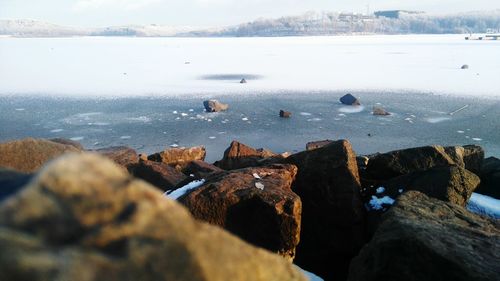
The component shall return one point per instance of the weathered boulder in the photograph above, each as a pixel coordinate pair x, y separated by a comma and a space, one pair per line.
452, 184
379, 111
73, 143
400, 162
285, 114
179, 157
199, 169
28, 155
317, 144
422, 238
11, 181
84, 219
215, 106
332, 212
473, 158
238, 156
490, 178
256, 204
121, 155
158, 174
349, 100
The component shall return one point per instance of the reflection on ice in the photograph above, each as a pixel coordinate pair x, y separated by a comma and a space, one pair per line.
434, 120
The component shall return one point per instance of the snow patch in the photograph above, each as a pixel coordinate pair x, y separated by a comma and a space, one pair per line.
377, 204
352, 109
176, 194
484, 205
434, 120
380, 190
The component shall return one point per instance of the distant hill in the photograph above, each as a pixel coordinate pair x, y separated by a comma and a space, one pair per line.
311, 23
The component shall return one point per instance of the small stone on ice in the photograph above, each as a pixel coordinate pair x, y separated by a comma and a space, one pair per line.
259, 185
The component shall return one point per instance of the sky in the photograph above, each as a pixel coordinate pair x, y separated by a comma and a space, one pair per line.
96, 13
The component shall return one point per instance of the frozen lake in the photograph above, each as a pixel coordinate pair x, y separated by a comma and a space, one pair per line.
147, 93
104, 66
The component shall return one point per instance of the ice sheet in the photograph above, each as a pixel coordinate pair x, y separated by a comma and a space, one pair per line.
106, 66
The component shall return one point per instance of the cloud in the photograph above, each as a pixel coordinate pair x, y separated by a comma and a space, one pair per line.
129, 5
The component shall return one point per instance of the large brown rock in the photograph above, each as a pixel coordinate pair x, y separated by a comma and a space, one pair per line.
332, 212
121, 155
28, 155
198, 169
317, 144
238, 156
256, 204
490, 178
473, 158
179, 157
73, 143
396, 163
158, 174
84, 219
452, 184
422, 239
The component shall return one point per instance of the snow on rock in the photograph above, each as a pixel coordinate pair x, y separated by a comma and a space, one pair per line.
484, 205
183, 190
380, 190
377, 204
259, 185
309, 275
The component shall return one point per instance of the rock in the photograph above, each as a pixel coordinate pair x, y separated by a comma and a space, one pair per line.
362, 161
490, 178
380, 111
179, 157
451, 184
75, 144
158, 174
84, 219
28, 155
215, 106
285, 114
200, 169
243, 81
422, 238
317, 144
143, 157
465, 66
256, 204
396, 163
238, 156
473, 158
349, 100
121, 155
332, 212
11, 182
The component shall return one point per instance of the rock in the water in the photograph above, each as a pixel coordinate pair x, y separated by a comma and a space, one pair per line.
490, 178
422, 239
73, 143
239, 155
84, 219
121, 155
317, 144
11, 182
256, 204
28, 155
215, 106
465, 66
179, 157
243, 81
200, 169
452, 184
396, 163
285, 114
158, 174
349, 100
380, 111
332, 212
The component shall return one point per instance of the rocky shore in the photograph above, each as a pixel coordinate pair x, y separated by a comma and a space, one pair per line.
67, 213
